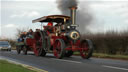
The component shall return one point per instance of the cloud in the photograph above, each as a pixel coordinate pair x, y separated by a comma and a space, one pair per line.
109, 15
21, 14
33, 14
26, 14
0, 30
126, 22
55, 0
28, 0
10, 26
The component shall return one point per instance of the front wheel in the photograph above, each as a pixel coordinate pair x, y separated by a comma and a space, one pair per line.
87, 49
68, 53
9, 49
59, 48
25, 50
18, 48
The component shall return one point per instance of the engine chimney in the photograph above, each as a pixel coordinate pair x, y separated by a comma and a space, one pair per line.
73, 15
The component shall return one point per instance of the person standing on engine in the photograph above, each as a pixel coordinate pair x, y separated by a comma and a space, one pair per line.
30, 33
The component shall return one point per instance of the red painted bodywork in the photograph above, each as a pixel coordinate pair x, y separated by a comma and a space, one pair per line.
29, 41
70, 46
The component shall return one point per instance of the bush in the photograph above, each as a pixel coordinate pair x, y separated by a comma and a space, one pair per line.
109, 43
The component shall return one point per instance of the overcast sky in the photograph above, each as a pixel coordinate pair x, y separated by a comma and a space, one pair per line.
107, 14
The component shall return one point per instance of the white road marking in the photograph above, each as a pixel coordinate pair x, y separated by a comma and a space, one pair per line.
115, 67
67, 60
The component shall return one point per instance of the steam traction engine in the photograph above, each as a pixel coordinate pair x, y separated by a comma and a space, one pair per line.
61, 38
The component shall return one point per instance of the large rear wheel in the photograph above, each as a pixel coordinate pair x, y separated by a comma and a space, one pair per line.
39, 44
87, 49
59, 48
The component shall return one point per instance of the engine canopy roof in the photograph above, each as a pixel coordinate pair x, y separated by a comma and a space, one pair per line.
52, 18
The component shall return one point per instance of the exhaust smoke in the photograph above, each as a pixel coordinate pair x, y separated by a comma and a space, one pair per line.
83, 17
64, 6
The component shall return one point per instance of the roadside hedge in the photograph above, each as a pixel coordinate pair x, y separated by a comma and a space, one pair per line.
110, 43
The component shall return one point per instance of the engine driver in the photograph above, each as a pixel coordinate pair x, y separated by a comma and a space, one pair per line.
50, 24
50, 27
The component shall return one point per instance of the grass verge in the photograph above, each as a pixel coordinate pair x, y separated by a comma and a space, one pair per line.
101, 55
5, 66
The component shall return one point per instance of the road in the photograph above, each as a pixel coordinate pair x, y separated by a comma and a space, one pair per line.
72, 64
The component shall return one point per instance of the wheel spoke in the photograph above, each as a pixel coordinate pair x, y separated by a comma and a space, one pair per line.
58, 48
38, 44
85, 48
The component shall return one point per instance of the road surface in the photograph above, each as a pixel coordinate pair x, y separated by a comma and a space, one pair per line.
72, 64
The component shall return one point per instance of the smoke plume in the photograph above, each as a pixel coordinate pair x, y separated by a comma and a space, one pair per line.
64, 5
83, 17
